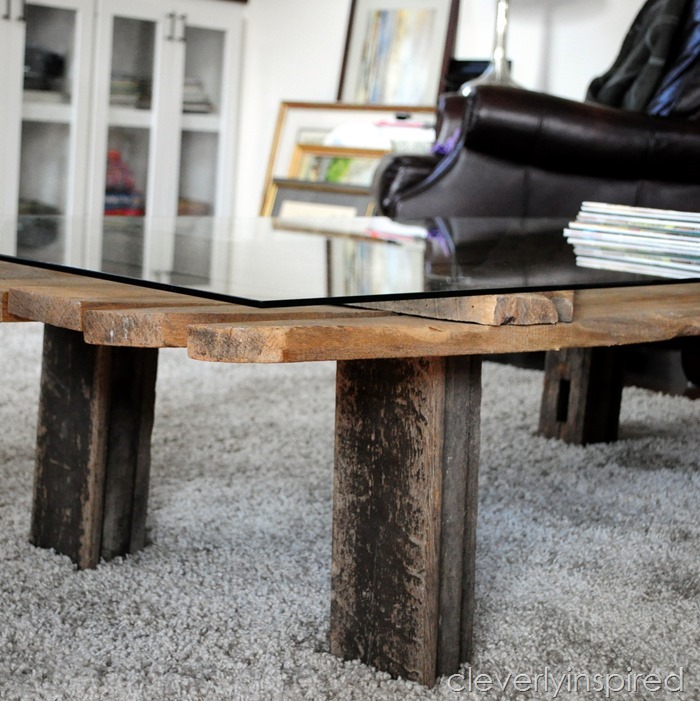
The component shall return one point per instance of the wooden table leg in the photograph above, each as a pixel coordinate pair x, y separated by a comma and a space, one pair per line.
93, 448
582, 395
690, 359
404, 513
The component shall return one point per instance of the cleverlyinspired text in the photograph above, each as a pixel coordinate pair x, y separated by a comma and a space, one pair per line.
552, 683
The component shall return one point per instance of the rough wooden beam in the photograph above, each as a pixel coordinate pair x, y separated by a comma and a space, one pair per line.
16, 275
64, 306
404, 523
93, 448
160, 327
521, 309
582, 394
605, 317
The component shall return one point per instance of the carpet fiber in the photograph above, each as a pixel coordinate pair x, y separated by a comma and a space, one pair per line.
588, 559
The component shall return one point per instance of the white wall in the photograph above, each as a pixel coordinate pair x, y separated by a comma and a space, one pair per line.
294, 51
556, 46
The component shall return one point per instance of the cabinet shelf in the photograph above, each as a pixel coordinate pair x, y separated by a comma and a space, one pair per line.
201, 122
129, 117
59, 113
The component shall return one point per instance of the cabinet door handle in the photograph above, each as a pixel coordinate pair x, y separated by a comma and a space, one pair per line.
172, 26
8, 9
183, 19
23, 11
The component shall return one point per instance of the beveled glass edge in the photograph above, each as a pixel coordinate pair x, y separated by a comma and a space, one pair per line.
342, 299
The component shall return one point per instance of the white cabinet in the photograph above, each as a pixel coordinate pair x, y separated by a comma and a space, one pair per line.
143, 123
42, 131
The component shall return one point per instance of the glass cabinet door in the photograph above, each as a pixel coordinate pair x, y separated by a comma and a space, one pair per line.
11, 59
212, 39
130, 51
166, 147
51, 55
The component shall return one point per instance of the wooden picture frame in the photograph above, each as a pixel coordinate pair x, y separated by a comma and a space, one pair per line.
397, 51
305, 125
298, 199
334, 164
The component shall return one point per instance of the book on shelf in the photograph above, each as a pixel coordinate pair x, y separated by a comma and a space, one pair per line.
642, 240
194, 97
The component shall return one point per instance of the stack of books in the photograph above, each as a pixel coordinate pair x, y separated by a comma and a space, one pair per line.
124, 90
130, 91
658, 242
194, 99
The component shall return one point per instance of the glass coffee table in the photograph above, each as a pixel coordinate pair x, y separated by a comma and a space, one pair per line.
408, 310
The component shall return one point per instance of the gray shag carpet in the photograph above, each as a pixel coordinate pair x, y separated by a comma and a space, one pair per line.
588, 557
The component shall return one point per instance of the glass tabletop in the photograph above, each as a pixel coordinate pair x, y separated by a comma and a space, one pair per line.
274, 261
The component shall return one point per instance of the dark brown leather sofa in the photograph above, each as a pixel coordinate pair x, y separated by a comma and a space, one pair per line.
509, 152
518, 153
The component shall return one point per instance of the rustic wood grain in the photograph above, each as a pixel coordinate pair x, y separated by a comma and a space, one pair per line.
91, 476
520, 309
460, 470
15, 275
404, 513
690, 359
65, 305
71, 447
128, 459
581, 395
161, 327
604, 317
13, 270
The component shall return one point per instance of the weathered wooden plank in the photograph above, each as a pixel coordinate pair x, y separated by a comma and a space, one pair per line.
582, 394
161, 327
10, 270
520, 309
64, 306
71, 447
16, 275
128, 459
460, 476
404, 513
690, 360
95, 420
602, 318
5, 315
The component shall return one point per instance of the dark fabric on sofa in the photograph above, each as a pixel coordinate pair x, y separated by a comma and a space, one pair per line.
678, 94
636, 74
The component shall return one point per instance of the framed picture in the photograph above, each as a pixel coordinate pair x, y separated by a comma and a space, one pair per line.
397, 51
329, 164
301, 126
296, 199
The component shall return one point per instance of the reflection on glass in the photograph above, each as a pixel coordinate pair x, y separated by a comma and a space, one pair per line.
267, 261
122, 246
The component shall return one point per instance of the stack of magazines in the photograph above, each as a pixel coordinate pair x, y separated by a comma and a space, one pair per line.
659, 242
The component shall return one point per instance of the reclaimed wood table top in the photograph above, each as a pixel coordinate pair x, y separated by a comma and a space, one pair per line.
119, 314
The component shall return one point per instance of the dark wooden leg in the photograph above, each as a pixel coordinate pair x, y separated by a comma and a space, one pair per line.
404, 513
690, 359
582, 395
93, 448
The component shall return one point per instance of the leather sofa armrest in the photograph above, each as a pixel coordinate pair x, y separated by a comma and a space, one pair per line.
566, 136
397, 173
